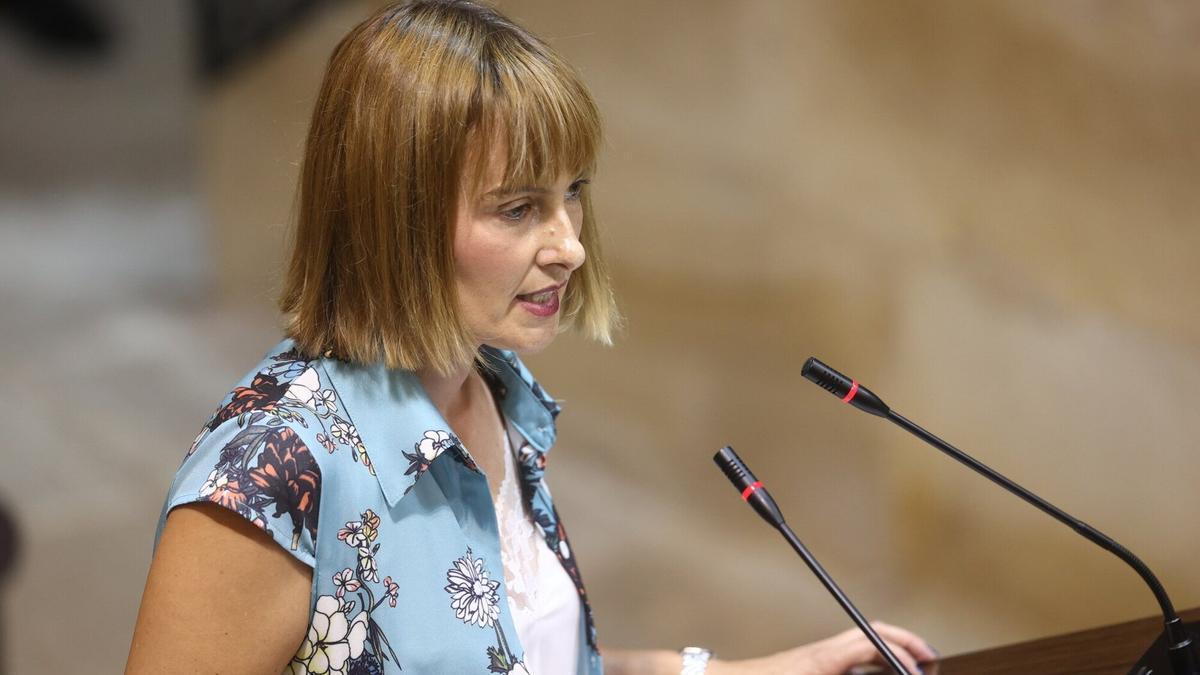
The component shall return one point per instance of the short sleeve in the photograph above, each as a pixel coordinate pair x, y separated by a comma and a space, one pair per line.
257, 466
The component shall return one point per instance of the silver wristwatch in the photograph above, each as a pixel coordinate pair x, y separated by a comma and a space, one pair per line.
694, 660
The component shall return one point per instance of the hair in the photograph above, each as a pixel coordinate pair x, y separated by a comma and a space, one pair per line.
406, 95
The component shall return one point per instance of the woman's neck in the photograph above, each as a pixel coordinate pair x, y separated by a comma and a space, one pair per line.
450, 393
468, 407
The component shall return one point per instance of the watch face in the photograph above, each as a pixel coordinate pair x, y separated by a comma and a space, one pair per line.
695, 660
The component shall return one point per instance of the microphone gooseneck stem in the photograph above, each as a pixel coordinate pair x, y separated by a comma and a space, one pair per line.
757, 496
1085, 530
1181, 650
836, 592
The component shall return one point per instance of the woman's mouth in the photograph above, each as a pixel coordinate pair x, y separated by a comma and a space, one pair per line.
541, 303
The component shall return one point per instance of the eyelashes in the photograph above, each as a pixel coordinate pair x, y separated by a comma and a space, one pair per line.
576, 188
517, 213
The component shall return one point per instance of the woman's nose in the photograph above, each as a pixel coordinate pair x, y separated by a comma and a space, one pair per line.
562, 245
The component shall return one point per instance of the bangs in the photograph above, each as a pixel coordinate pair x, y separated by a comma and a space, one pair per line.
535, 103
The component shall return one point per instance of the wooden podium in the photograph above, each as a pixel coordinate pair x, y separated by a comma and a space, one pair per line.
1110, 650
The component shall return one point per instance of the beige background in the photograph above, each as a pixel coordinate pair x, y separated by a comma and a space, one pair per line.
985, 211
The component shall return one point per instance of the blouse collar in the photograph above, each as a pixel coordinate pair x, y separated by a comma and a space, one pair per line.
393, 414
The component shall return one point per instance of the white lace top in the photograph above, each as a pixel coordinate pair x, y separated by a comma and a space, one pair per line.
544, 603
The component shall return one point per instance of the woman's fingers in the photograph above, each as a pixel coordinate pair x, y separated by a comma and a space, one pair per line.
907, 639
852, 648
837, 655
907, 659
864, 652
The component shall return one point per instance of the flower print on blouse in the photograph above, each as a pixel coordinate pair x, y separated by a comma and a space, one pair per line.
429, 448
351, 469
340, 640
287, 387
474, 599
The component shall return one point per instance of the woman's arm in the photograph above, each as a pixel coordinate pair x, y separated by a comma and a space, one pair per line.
832, 656
221, 596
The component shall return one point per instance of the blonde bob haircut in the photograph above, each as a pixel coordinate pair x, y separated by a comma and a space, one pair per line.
406, 95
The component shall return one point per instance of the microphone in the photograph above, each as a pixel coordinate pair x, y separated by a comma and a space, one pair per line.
1181, 648
754, 494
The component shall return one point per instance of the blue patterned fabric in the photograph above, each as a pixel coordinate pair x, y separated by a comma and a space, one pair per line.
353, 471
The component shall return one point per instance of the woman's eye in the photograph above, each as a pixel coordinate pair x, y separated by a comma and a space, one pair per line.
576, 188
516, 212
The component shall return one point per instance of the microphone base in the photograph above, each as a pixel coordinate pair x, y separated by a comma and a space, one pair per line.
1158, 660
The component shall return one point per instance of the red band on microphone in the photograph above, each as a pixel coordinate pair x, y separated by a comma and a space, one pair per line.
853, 390
751, 490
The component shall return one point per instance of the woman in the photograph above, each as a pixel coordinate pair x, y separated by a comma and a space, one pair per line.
370, 498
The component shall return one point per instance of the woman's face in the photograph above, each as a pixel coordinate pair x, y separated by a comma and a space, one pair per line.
514, 253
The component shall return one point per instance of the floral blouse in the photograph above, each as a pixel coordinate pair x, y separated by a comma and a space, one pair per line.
353, 471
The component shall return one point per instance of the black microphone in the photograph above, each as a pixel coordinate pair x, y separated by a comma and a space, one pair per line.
1180, 646
754, 494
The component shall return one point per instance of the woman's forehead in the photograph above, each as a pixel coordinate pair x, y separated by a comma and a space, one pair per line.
491, 174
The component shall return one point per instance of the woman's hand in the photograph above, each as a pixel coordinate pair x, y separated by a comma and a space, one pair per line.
835, 655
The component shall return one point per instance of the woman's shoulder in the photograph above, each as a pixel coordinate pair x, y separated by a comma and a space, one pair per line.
283, 375
292, 395
268, 452
300, 430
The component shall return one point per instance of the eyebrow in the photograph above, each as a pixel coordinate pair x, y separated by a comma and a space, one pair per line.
503, 191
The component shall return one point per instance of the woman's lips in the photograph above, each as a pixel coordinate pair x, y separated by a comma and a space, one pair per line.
542, 303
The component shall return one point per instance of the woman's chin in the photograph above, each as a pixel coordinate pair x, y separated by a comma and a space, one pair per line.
528, 342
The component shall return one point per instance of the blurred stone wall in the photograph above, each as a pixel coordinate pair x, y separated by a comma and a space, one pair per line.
985, 211
101, 256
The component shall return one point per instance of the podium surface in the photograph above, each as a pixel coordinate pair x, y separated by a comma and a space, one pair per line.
1108, 650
